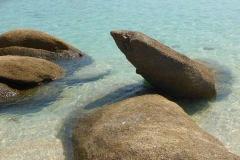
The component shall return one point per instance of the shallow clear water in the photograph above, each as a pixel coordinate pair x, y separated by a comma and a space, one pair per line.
38, 126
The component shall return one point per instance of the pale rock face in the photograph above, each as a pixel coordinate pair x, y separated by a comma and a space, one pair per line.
165, 68
144, 127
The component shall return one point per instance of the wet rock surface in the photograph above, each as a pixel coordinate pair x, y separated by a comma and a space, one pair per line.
6, 91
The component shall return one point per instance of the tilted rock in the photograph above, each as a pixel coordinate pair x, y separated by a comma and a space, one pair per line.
165, 68
35, 43
23, 71
144, 127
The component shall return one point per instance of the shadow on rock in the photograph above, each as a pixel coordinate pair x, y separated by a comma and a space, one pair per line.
120, 94
190, 105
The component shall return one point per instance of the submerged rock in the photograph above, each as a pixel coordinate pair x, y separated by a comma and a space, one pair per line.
38, 53
144, 127
21, 71
6, 91
208, 48
35, 43
165, 68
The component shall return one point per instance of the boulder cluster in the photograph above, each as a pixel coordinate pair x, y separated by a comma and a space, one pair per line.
147, 126
150, 126
24, 59
33, 43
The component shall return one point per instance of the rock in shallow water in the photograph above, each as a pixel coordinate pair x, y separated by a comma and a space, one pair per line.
21, 71
165, 68
144, 127
35, 43
6, 91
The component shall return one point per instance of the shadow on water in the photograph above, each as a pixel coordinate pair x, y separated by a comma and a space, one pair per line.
193, 105
189, 105
33, 100
64, 134
223, 77
223, 83
2, 1
72, 65
45, 94
118, 95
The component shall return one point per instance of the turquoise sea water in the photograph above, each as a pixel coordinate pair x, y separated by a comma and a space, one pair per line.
39, 126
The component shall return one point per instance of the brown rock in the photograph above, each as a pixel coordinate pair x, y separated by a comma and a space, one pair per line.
38, 53
144, 127
165, 68
36, 43
27, 71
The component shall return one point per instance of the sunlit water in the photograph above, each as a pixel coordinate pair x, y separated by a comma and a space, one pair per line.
38, 126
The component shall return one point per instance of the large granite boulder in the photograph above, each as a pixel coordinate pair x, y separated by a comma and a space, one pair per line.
165, 68
35, 43
22, 71
144, 127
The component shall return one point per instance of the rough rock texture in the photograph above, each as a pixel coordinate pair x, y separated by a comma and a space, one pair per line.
34, 43
144, 127
27, 71
6, 91
38, 53
165, 68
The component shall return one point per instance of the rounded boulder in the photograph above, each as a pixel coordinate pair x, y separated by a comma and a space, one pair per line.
23, 71
144, 127
28, 42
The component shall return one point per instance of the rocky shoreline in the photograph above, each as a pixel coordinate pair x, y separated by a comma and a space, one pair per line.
26, 56
147, 126
150, 126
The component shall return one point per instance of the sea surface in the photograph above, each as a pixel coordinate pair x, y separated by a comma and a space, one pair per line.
38, 125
